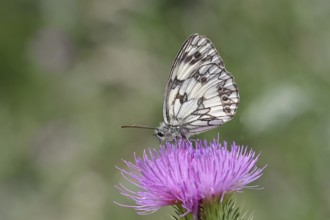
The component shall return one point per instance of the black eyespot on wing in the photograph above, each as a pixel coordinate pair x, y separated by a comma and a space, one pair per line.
224, 98
227, 109
203, 80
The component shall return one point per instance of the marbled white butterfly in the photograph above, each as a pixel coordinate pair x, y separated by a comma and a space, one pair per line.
200, 94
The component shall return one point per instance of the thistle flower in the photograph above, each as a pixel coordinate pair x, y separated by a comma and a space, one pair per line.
185, 175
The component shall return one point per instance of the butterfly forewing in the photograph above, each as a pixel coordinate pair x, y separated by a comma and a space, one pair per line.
200, 94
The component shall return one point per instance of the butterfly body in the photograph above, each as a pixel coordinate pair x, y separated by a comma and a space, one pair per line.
200, 94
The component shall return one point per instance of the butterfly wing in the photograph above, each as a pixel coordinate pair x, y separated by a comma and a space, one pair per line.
200, 94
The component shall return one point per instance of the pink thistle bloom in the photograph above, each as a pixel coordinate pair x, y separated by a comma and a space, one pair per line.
185, 174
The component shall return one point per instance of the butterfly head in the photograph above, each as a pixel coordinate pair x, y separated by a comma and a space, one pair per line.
169, 133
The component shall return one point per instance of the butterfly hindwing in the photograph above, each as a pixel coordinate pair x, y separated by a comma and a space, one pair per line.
217, 102
200, 94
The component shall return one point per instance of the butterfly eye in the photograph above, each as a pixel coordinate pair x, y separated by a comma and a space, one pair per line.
160, 134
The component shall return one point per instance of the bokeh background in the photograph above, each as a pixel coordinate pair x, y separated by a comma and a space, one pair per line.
72, 72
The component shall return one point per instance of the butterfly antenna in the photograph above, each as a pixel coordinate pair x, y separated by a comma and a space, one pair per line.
136, 126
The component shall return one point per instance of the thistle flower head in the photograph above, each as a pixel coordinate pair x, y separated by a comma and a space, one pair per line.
185, 174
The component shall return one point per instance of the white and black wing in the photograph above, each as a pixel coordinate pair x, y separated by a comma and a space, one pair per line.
200, 94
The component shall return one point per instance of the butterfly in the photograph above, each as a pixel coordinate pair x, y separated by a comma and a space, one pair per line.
200, 94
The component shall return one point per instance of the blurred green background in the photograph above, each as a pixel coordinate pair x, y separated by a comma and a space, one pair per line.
72, 72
